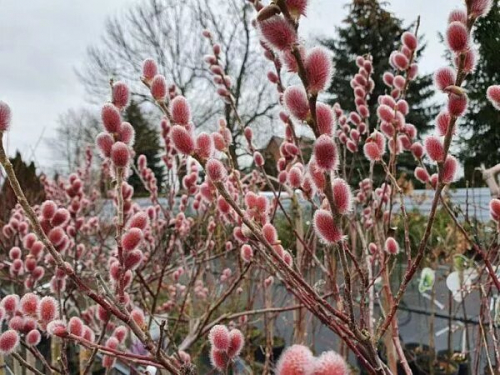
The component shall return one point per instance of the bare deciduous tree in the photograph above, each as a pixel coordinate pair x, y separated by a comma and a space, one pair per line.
76, 130
170, 31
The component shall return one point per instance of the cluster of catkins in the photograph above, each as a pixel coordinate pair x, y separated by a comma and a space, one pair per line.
353, 126
222, 80
298, 360
118, 137
393, 108
319, 175
225, 346
27, 316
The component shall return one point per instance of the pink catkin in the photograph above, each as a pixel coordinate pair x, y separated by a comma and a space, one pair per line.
182, 139
421, 174
391, 246
10, 303
457, 104
372, 151
297, 7
434, 148
104, 142
326, 228
5, 116
480, 8
179, 108
219, 359
121, 94
139, 220
457, 37
495, 209
33, 337
127, 133
120, 155
296, 360
204, 145
236, 343
342, 196
9, 341
149, 69
131, 239
296, 102
493, 95
278, 33
444, 77
29, 304
246, 253
111, 118
219, 337
409, 40
159, 87
319, 69
48, 309
450, 167
325, 153
216, 170
330, 363
75, 326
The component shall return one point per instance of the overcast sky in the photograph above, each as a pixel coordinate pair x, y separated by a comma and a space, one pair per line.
43, 41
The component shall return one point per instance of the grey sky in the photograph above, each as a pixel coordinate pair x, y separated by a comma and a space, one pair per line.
43, 41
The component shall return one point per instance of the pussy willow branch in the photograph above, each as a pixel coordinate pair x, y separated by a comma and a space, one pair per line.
461, 75
86, 290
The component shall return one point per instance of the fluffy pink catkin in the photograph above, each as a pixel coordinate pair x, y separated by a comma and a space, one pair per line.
48, 309
444, 77
495, 209
75, 326
296, 360
5, 116
493, 95
182, 139
457, 37
111, 118
480, 8
409, 40
330, 363
131, 239
29, 304
219, 337
457, 104
278, 33
120, 155
218, 359
450, 168
104, 142
159, 87
236, 343
180, 110
120, 95
296, 102
325, 227
434, 148
33, 337
9, 341
372, 151
342, 196
325, 153
297, 7
318, 65
246, 253
215, 170
391, 246
149, 69
204, 145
